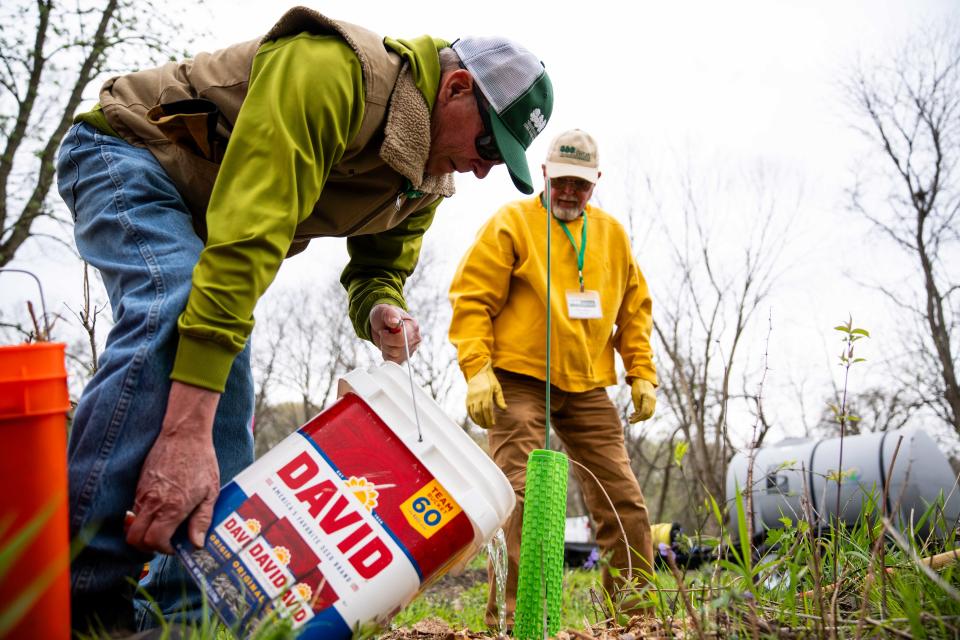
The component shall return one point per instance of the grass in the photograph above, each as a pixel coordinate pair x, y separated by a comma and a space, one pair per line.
881, 586
461, 602
865, 581
784, 589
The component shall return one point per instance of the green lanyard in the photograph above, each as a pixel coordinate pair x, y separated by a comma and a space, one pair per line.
583, 245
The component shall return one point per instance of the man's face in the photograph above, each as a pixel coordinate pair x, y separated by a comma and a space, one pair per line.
455, 126
569, 196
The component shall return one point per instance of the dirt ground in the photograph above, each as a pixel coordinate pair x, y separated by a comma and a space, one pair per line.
433, 629
452, 585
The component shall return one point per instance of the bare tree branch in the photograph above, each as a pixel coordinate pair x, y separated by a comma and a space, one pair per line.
911, 110
49, 55
702, 317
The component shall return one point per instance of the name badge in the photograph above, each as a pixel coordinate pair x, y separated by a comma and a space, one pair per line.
583, 305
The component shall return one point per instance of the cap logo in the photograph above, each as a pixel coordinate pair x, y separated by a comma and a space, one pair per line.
568, 151
535, 123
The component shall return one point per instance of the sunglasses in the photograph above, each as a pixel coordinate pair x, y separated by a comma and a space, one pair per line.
485, 142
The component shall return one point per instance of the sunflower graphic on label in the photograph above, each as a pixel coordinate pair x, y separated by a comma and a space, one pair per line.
252, 525
303, 590
282, 554
364, 491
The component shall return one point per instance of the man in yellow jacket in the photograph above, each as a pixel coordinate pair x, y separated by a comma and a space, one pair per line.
599, 302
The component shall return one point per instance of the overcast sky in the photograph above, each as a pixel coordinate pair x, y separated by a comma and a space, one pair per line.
710, 89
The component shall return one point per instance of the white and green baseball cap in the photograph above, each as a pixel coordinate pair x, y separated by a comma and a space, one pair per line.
517, 86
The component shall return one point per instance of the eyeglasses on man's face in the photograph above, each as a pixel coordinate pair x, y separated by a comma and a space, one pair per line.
570, 183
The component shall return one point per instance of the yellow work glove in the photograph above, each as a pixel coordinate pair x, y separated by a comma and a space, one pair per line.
644, 400
661, 533
482, 391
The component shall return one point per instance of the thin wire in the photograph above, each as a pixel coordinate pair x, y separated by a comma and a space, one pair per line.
413, 393
43, 302
616, 515
549, 305
613, 508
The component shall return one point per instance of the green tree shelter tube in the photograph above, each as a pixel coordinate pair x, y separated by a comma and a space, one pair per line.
540, 579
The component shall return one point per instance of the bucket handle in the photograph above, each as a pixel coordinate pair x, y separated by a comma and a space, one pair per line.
43, 302
402, 327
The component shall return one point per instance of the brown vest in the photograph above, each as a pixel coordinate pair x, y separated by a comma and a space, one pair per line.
184, 113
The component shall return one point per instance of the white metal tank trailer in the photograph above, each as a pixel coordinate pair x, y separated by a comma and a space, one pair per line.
782, 472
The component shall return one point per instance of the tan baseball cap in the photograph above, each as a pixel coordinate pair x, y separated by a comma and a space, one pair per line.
573, 153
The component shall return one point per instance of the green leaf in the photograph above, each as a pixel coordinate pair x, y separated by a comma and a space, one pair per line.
715, 508
745, 542
862, 332
786, 464
680, 451
842, 328
775, 535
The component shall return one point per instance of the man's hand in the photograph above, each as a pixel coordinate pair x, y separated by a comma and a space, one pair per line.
644, 400
385, 331
483, 390
180, 478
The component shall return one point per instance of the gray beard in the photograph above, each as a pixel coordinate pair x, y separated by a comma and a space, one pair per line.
566, 214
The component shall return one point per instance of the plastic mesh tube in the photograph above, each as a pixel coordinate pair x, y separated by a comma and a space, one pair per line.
540, 579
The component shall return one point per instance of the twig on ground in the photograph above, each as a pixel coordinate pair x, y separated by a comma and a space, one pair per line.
678, 576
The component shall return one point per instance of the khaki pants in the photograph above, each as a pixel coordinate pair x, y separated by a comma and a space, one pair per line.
589, 427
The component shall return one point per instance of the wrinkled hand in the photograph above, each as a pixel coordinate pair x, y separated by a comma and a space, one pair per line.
483, 389
644, 400
385, 331
180, 478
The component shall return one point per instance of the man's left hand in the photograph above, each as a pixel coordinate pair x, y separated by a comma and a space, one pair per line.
644, 400
385, 331
180, 478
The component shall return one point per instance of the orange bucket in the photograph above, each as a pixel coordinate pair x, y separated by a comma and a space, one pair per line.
35, 588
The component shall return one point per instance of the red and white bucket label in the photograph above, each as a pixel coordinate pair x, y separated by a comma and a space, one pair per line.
336, 526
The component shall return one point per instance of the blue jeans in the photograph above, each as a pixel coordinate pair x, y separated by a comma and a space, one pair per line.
133, 226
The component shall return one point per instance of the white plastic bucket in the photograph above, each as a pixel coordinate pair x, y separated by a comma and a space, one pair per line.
346, 520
